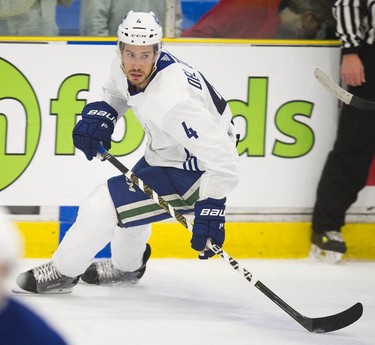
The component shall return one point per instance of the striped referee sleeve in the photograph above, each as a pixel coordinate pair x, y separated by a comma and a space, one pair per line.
355, 22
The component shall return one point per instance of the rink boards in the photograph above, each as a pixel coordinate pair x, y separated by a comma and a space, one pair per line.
243, 239
281, 155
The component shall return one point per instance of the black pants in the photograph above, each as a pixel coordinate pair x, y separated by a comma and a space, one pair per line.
347, 166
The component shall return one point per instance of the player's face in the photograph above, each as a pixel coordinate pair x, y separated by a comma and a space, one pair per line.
138, 62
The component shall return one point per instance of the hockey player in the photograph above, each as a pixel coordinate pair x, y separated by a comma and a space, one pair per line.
190, 160
18, 323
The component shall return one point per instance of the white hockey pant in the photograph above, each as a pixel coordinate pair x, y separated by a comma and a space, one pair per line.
95, 226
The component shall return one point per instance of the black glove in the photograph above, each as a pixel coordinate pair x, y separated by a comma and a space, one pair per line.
208, 224
97, 125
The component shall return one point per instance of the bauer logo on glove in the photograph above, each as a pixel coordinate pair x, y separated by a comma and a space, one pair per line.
103, 113
212, 212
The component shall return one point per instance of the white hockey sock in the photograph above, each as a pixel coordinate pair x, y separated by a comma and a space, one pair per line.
128, 246
90, 233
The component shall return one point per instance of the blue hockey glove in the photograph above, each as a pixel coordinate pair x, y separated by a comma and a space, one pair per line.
208, 224
97, 125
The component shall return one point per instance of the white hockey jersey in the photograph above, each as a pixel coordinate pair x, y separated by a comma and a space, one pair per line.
187, 122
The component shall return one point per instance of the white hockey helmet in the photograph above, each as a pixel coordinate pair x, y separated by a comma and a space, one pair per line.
140, 28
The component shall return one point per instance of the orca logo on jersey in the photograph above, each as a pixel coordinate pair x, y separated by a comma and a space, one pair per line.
104, 114
212, 212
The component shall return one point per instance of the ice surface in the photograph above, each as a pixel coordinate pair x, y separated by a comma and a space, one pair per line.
192, 302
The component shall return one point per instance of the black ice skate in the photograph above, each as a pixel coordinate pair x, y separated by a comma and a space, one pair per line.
328, 246
103, 272
44, 279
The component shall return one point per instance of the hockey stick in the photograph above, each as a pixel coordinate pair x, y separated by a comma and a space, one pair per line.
342, 94
316, 325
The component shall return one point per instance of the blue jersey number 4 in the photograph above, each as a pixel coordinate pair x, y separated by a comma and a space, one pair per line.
190, 132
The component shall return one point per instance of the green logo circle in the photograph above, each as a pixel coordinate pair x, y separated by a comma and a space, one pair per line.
17, 93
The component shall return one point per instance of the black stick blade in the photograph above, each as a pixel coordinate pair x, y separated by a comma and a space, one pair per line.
320, 324
334, 322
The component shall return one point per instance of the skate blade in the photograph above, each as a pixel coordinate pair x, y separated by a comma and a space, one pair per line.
326, 256
17, 290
